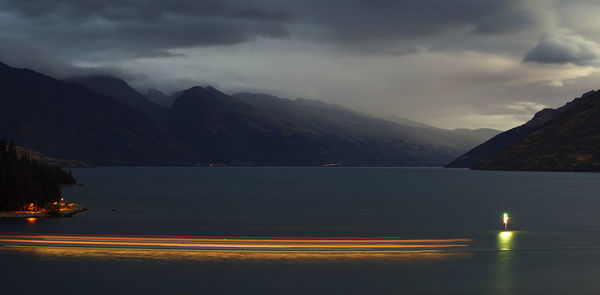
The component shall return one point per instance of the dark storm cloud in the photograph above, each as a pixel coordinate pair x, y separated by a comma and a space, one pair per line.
129, 29
150, 27
357, 21
148, 10
561, 49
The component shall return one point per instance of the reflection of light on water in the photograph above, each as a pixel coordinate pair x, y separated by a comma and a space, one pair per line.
199, 255
238, 243
503, 267
301, 249
505, 240
31, 220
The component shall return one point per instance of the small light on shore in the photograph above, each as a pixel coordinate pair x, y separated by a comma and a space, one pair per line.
505, 220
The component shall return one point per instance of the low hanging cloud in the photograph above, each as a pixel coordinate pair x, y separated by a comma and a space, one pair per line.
564, 49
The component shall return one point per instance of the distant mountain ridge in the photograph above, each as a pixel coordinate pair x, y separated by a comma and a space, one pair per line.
368, 139
335, 120
158, 97
107, 122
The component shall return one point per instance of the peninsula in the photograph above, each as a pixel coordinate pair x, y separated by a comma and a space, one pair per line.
30, 188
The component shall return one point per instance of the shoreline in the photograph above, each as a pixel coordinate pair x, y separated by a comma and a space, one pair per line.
68, 210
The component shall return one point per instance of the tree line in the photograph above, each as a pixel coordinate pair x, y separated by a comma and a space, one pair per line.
25, 181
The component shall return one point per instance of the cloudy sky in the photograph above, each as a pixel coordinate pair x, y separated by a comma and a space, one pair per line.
460, 63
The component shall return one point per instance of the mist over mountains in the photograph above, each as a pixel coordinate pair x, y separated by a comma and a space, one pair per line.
330, 119
103, 121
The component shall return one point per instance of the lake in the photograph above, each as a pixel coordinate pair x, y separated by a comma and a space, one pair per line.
554, 247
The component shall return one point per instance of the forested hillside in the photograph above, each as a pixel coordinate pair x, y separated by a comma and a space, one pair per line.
25, 181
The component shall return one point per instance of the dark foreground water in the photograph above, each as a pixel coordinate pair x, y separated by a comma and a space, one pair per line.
554, 247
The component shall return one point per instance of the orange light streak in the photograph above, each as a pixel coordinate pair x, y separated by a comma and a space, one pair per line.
225, 239
203, 243
309, 244
391, 246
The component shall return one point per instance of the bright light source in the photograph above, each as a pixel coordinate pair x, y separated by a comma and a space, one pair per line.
505, 220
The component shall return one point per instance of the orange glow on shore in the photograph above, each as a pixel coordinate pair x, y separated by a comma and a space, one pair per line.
28, 212
212, 243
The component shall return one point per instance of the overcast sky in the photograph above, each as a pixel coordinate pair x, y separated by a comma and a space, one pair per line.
460, 63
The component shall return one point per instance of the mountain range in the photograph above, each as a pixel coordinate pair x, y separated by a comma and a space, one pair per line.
102, 120
342, 124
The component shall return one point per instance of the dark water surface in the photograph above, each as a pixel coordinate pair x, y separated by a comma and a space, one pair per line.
554, 247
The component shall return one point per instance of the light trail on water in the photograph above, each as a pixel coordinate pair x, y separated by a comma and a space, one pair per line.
308, 244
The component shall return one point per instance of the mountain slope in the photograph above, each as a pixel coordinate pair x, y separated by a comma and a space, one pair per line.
42, 158
422, 145
112, 124
569, 142
166, 122
158, 97
122, 92
66, 120
505, 139
234, 132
